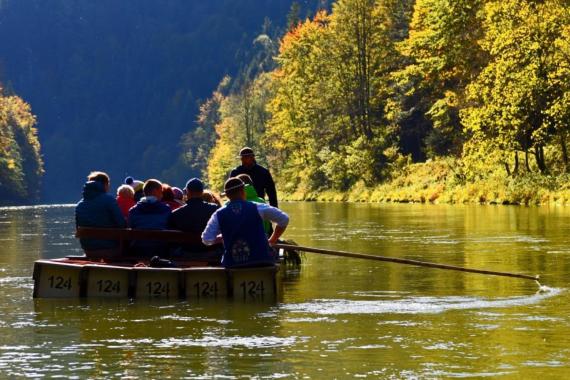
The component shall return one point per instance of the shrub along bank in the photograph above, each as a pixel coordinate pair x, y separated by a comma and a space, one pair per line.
442, 181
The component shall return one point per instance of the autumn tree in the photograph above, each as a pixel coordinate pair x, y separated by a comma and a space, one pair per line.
520, 100
443, 57
242, 121
331, 87
21, 165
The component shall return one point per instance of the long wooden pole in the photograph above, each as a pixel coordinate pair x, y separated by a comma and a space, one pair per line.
403, 261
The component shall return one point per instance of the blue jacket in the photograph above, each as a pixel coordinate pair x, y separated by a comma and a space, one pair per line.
149, 214
98, 209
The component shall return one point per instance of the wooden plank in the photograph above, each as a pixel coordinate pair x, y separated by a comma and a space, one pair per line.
254, 283
57, 280
157, 282
107, 281
206, 282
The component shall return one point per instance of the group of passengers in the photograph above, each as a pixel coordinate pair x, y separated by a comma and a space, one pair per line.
244, 224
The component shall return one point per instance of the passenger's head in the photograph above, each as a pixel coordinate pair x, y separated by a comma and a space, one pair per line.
234, 189
167, 193
178, 194
137, 186
247, 157
194, 188
125, 191
245, 179
100, 177
211, 197
153, 188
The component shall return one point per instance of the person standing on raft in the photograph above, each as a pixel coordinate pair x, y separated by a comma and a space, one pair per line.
261, 177
239, 226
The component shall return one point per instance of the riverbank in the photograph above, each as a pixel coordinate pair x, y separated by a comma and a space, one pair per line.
440, 182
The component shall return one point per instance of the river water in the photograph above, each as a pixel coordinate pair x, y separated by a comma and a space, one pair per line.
336, 317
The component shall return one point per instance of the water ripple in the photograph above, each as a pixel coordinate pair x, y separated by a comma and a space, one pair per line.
415, 305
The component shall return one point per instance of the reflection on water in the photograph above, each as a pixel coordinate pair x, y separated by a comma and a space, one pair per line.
337, 318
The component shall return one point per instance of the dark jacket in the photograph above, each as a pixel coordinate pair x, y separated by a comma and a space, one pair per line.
262, 181
98, 209
192, 218
149, 214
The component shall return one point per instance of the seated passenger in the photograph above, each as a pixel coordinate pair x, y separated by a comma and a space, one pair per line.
239, 225
138, 188
125, 199
168, 197
211, 197
149, 214
178, 196
98, 209
192, 217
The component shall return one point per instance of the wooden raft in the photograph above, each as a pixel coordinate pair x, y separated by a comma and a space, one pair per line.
75, 277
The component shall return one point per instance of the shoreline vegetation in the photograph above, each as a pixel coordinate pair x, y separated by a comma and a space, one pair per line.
436, 183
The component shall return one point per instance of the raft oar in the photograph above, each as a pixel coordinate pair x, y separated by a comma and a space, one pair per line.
404, 261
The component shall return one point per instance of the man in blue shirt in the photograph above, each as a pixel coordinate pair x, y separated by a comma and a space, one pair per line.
98, 209
150, 214
239, 225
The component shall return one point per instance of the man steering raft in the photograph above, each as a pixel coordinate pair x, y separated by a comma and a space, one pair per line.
262, 180
239, 225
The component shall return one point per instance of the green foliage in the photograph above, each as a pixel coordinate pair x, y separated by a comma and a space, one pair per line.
442, 58
331, 89
198, 143
474, 88
521, 97
242, 118
21, 165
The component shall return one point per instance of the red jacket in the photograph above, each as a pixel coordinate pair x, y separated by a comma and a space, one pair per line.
173, 204
125, 205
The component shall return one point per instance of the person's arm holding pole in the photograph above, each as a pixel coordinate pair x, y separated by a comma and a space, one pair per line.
276, 216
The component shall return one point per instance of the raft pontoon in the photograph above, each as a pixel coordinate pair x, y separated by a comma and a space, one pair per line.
120, 277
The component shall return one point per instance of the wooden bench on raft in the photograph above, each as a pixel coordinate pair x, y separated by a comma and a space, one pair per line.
119, 277
125, 235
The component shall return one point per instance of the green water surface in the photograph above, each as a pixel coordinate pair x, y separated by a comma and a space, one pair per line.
336, 317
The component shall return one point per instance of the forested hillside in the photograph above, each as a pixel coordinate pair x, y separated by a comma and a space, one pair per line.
114, 84
439, 100
21, 165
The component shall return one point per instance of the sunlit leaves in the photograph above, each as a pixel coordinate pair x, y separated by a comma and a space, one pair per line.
520, 98
21, 165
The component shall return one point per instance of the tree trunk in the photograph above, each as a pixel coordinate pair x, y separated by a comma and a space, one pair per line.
507, 169
539, 154
564, 151
526, 163
516, 169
